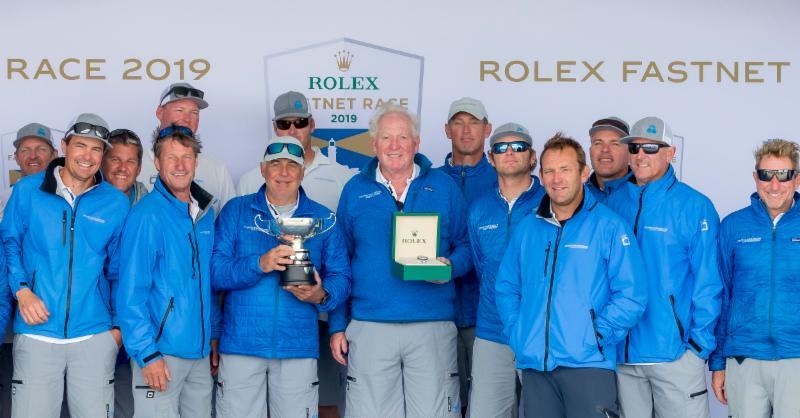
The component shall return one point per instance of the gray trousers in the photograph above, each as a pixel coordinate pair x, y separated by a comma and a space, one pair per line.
400, 370
39, 368
666, 390
571, 393
245, 381
466, 338
494, 381
188, 394
762, 389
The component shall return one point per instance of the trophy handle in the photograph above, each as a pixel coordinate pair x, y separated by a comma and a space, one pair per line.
268, 230
320, 222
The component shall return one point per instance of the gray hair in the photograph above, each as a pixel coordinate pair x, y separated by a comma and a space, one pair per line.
392, 108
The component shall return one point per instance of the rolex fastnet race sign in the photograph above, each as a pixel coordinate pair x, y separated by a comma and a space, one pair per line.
344, 81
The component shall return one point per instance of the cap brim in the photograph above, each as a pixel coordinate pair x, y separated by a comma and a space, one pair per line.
201, 104
18, 140
292, 115
105, 141
629, 139
607, 128
481, 117
521, 135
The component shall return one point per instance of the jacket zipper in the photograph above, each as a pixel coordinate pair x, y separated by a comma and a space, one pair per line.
33, 282
64, 228
463, 178
546, 257
636, 234
550, 299
196, 251
170, 308
675, 314
772, 290
597, 335
71, 251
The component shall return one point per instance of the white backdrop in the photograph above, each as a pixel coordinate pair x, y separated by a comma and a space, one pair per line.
722, 122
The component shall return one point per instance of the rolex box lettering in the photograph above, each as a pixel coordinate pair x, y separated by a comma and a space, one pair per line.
415, 244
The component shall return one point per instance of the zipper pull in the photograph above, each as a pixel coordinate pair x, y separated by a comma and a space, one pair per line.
64, 229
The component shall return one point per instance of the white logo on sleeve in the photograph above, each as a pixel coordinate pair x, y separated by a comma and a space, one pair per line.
704, 225
625, 240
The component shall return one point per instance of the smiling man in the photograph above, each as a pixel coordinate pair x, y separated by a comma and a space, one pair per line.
123, 162
61, 234
33, 151
757, 361
609, 157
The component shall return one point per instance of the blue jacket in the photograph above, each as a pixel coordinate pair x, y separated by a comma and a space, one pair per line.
64, 255
5, 292
365, 213
164, 298
676, 228
261, 319
490, 226
568, 292
474, 182
609, 186
761, 273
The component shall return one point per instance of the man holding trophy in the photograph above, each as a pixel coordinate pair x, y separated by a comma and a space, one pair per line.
404, 225
281, 260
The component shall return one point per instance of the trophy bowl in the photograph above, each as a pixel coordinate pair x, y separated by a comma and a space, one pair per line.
295, 231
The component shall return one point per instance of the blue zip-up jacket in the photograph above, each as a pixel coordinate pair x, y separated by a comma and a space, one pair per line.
761, 271
165, 301
490, 226
568, 292
64, 255
474, 182
5, 292
365, 214
676, 228
261, 319
608, 187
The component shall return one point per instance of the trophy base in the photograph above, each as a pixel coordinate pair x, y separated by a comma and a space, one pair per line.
298, 274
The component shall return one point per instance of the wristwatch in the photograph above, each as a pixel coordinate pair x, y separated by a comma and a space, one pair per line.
324, 298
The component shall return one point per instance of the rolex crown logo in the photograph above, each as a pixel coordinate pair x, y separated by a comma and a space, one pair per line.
343, 60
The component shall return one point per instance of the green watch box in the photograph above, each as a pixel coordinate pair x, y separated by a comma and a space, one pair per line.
415, 244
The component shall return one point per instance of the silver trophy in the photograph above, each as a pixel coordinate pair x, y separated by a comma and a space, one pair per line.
293, 232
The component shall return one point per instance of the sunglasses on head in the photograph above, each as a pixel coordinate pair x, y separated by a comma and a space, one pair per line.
183, 92
516, 146
278, 147
782, 175
284, 124
649, 148
171, 130
123, 132
83, 128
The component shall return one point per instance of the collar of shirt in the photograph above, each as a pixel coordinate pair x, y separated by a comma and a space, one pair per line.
382, 180
511, 202
319, 159
780, 215
64, 191
282, 213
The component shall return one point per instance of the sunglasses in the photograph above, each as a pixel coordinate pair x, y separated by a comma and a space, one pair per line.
650, 148
171, 130
298, 123
83, 128
179, 92
516, 146
278, 147
123, 132
782, 175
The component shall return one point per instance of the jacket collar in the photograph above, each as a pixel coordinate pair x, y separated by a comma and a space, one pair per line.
258, 202
612, 184
49, 184
419, 159
587, 204
760, 208
199, 194
469, 170
524, 196
657, 188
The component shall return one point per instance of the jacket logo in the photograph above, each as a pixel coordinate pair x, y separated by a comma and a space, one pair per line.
94, 219
796, 239
370, 195
428, 188
206, 232
704, 225
656, 228
625, 240
488, 227
751, 239
577, 246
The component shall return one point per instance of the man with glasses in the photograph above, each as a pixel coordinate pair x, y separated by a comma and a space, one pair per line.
166, 308
467, 128
663, 358
269, 343
756, 366
492, 219
61, 234
323, 180
609, 157
401, 341
33, 151
180, 104
569, 287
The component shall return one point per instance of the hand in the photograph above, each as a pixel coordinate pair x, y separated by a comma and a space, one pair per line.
443, 260
276, 259
718, 384
156, 375
214, 357
311, 294
117, 336
339, 347
31, 307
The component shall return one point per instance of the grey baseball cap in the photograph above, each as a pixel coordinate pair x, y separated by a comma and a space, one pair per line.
650, 128
98, 130
34, 130
468, 105
511, 129
291, 104
611, 123
287, 149
181, 91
